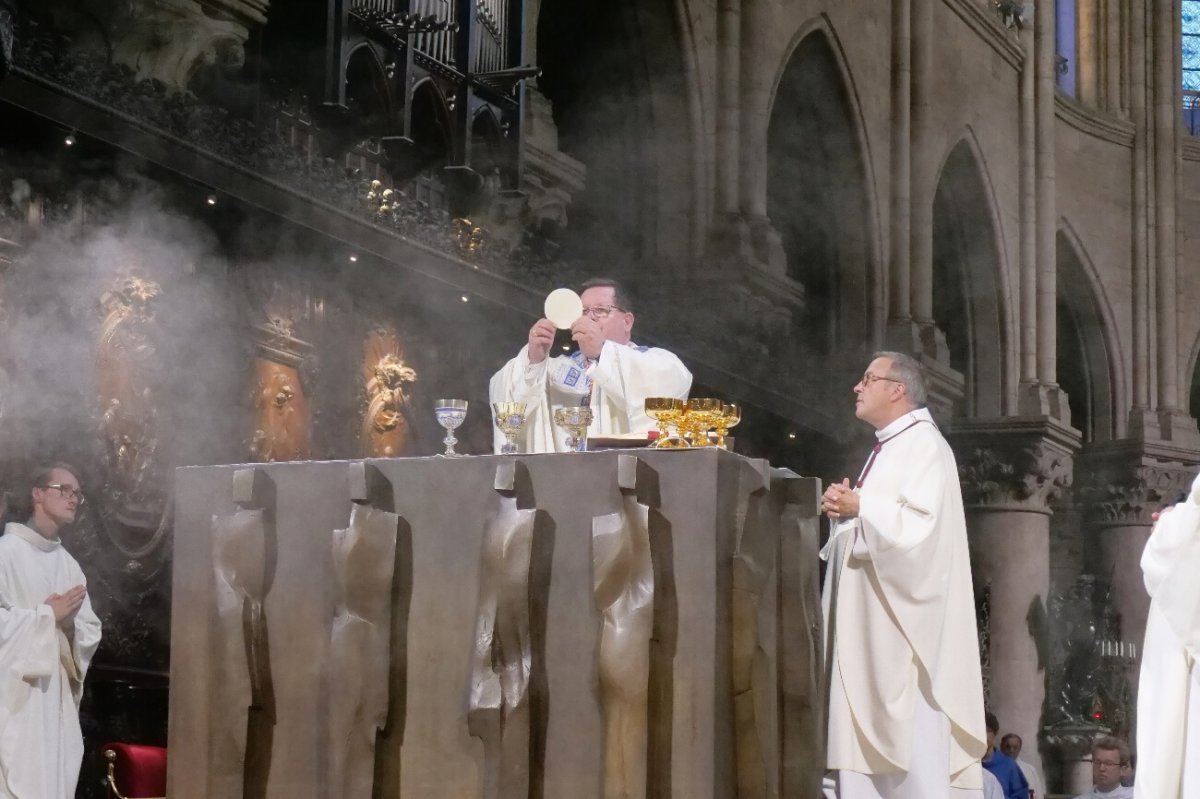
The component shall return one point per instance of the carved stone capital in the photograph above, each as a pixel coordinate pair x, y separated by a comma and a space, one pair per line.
1014, 463
1124, 482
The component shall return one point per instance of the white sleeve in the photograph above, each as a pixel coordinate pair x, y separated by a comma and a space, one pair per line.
628, 375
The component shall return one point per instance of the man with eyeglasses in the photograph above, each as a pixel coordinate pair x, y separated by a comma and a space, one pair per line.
48, 634
906, 715
1168, 702
1110, 763
608, 372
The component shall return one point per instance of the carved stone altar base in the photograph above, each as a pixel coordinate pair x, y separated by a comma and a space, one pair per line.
577, 625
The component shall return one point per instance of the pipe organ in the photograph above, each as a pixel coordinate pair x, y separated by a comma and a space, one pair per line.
443, 82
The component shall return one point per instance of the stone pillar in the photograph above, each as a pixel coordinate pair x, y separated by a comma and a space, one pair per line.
1012, 469
1120, 484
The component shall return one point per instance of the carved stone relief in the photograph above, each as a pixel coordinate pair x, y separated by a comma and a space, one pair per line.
168, 40
500, 694
244, 552
1018, 468
753, 689
385, 428
1126, 486
364, 556
623, 587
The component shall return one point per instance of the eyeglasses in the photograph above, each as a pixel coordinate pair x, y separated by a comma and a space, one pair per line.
601, 311
1106, 764
67, 492
868, 379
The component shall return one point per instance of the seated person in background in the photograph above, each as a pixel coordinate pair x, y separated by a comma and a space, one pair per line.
609, 373
1003, 768
1011, 745
1110, 764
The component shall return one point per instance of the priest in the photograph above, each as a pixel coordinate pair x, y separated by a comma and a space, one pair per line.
48, 634
1168, 703
608, 372
906, 715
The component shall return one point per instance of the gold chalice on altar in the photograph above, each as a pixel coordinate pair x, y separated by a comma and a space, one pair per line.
700, 418
666, 412
576, 420
509, 418
729, 417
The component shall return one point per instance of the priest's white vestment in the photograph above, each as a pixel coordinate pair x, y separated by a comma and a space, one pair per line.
619, 383
1168, 720
906, 714
42, 668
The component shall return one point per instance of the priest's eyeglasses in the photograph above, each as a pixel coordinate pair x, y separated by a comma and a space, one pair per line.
68, 492
868, 379
1106, 764
601, 311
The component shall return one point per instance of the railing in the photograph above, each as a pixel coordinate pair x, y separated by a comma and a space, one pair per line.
489, 50
1191, 111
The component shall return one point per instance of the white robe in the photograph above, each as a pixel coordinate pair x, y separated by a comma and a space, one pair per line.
1168, 720
1034, 777
905, 686
620, 381
41, 668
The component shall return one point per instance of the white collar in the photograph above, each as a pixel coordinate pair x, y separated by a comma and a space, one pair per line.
31, 536
904, 422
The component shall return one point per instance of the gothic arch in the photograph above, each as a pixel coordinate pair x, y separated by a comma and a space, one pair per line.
368, 89
620, 78
819, 197
970, 298
1088, 349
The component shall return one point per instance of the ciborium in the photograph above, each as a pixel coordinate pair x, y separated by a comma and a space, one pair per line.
450, 414
729, 417
510, 418
700, 418
666, 412
576, 420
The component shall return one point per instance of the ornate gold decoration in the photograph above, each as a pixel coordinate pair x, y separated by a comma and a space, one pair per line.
128, 375
384, 431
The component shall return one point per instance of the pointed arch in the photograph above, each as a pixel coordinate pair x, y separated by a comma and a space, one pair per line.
820, 194
971, 304
1090, 361
620, 78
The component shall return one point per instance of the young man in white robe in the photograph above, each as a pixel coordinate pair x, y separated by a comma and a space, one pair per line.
609, 372
1168, 704
906, 715
48, 634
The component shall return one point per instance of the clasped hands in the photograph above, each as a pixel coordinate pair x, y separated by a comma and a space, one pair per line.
67, 604
585, 332
839, 501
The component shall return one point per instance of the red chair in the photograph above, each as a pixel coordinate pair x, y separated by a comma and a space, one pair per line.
136, 771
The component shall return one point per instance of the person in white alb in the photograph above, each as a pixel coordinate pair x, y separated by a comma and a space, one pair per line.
48, 634
1168, 703
1011, 745
906, 714
609, 373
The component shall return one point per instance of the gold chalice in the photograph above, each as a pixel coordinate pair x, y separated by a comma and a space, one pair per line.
666, 411
730, 415
702, 415
510, 418
576, 420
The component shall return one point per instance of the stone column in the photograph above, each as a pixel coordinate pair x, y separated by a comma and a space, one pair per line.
1120, 484
1012, 469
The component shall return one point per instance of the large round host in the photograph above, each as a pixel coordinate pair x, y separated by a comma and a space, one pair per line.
563, 307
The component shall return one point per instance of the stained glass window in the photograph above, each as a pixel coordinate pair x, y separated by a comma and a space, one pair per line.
1191, 45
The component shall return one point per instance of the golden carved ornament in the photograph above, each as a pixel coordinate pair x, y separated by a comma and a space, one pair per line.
384, 431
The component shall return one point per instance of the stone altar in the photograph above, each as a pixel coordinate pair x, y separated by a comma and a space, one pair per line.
602, 624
